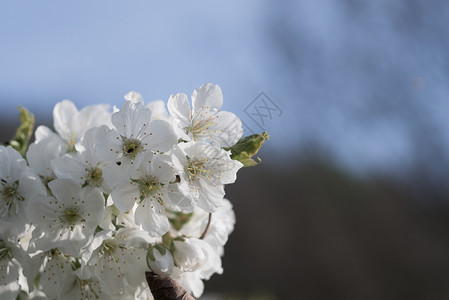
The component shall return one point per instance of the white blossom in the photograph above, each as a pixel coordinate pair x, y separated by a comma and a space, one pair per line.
84, 167
159, 111
68, 219
11, 256
54, 270
40, 154
116, 264
190, 281
191, 254
71, 124
134, 134
152, 186
160, 260
108, 197
206, 169
18, 185
220, 227
205, 121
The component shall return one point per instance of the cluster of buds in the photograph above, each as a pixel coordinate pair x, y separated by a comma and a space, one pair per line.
86, 211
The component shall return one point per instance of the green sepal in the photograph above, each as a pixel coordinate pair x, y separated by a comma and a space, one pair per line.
76, 264
162, 250
150, 253
37, 280
22, 296
115, 211
117, 227
23, 135
179, 219
167, 242
247, 147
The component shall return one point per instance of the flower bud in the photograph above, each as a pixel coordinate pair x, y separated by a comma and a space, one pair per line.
160, 260
190, 254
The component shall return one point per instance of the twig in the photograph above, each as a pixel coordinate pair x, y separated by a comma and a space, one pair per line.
165, 288
207, 227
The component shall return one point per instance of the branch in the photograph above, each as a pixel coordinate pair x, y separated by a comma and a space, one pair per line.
207, 227
165, 288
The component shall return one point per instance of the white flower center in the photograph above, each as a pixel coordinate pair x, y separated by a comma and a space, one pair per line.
196, 168
70, 217
94, 177
200, 123
108, 250
131, 147
149, 186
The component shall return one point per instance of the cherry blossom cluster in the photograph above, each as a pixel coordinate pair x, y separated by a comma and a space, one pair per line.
110, 195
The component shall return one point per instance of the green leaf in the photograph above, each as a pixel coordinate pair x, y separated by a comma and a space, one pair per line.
23, 135
247, 147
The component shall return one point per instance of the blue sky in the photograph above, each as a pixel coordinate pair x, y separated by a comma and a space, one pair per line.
336, 58
95, 51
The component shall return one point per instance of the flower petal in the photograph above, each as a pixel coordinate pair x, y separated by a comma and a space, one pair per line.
226, 130
125, 195
64, 114
131, 119
108, 145
159, 136
177, 199
65, 190
133, 97
158, 110
179, 108
69, 166
211, 196
11, 164
150, 214
208, 95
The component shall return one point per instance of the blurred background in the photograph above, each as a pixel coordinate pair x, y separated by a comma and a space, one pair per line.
352, 198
